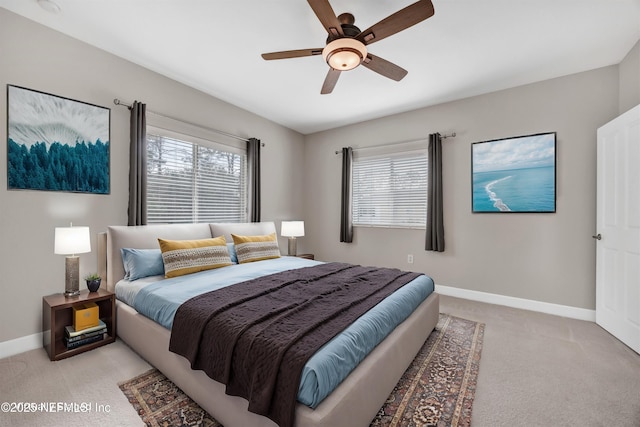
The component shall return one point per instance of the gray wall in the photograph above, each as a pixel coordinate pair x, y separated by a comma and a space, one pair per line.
542, 257
630, 79
36, 57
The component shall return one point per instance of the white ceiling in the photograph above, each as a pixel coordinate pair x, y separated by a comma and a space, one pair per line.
467, 48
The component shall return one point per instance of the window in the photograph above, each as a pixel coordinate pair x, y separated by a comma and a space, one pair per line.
390, 189
190, 179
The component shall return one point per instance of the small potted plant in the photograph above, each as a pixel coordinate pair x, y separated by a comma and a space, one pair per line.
93, 282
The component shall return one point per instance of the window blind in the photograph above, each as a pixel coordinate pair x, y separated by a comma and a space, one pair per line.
194, 182
390, 190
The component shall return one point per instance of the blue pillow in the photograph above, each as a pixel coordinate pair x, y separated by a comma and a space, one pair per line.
139, 263
232, 253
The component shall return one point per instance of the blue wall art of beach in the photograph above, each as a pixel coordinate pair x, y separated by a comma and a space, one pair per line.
514, 174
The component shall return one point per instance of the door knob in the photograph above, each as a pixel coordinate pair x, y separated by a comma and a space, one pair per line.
597, 236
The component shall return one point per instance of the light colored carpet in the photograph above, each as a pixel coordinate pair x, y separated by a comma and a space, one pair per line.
543, 370
87, 379
535, 370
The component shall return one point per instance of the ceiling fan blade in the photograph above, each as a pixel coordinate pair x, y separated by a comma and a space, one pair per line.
327, 17
397, 22
384, 67
330, 81
291, 54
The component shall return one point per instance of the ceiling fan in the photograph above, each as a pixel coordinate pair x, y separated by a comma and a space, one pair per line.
347, 46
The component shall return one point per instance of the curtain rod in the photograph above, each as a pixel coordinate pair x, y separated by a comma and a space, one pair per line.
451, 135
116, 101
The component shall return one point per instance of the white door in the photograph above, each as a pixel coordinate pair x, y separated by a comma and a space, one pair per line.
618, 223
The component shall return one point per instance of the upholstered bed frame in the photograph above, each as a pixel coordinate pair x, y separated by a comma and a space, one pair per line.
354, 403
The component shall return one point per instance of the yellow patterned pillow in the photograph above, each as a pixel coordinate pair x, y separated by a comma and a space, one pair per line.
256, 248
182, 257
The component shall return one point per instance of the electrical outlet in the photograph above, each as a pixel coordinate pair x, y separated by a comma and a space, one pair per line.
410, 259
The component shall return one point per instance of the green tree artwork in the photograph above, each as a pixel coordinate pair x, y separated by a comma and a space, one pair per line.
56, 144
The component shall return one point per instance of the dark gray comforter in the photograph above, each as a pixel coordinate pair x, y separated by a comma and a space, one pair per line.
256, 336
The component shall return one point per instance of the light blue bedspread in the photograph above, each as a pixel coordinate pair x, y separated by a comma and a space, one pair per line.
159, 300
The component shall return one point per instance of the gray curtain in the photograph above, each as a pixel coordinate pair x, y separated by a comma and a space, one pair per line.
138, 165
346, 213
435, 218
253, 168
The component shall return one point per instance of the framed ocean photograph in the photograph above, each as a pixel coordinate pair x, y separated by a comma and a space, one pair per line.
515, 174
56, 144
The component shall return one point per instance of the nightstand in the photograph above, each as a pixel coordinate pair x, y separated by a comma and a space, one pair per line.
307, 256
57, 312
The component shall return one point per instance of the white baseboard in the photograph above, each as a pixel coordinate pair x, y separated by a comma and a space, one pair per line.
525, 304
20, 345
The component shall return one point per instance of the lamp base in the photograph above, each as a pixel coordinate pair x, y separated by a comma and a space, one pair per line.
292, 246
72, 271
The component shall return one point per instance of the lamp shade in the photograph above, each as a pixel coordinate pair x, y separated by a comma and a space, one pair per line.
72, 240
292, 228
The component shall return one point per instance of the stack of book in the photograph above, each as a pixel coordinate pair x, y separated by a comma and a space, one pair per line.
74, 339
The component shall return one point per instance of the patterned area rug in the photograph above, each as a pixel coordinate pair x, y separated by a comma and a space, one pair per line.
159, 402
439, 386
436, 390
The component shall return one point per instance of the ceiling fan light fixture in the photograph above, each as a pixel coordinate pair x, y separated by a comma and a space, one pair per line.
344, 54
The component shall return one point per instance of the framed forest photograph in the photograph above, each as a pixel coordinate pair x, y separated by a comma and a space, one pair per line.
516, 174
56, 144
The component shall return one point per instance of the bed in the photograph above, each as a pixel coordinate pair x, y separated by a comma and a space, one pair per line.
354, 402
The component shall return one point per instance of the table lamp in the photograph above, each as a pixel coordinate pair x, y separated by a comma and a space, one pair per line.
292, 229
71, 241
